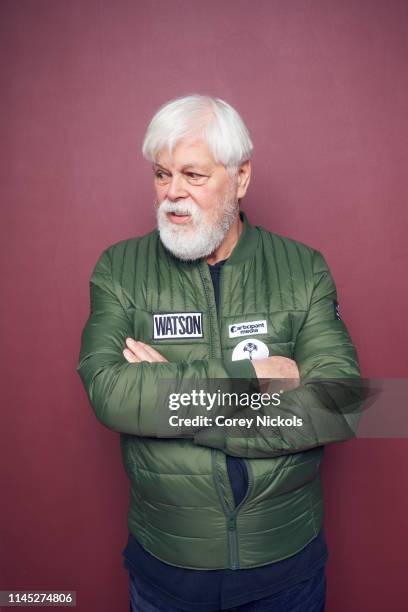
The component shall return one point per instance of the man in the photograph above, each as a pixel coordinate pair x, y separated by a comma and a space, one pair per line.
217, 520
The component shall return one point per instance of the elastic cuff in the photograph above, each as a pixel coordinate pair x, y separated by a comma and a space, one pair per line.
243, 369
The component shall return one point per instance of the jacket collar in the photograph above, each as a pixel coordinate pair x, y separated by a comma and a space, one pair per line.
246, 245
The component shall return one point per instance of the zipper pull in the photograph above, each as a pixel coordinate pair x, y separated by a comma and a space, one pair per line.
231, 523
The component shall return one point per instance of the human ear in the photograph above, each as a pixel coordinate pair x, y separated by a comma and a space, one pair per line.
244, 176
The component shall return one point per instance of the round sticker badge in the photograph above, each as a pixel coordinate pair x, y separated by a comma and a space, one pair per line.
250, 348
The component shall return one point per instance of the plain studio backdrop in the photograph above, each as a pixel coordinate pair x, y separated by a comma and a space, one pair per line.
322, 86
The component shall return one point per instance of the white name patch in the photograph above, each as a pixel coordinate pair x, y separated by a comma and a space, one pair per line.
178, 325
247, 329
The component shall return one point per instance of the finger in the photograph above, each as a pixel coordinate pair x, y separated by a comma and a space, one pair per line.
138, 350
156, 356
129, 356
143, 351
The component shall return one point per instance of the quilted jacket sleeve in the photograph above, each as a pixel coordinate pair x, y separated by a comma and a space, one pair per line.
329, 398
128, 397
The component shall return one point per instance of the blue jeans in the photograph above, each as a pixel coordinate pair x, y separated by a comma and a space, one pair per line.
306, 596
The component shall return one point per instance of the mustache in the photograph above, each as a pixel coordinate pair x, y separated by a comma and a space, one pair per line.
184, 208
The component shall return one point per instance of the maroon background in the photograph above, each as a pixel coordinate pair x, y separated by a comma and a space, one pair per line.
323, 88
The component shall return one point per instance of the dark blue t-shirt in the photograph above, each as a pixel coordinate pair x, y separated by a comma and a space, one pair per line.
210, 590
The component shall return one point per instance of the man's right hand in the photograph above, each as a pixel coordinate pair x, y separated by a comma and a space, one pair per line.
278, 367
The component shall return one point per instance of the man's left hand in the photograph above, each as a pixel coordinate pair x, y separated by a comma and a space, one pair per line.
137, 351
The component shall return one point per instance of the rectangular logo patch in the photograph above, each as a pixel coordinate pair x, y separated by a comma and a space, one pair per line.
177, 325
249, 328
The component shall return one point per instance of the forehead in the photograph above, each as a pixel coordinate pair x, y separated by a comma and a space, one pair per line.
192, 151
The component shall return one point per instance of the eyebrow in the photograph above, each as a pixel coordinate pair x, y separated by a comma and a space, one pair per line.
185, 167
194, 165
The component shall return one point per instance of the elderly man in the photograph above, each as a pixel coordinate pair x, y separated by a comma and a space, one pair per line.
216, 520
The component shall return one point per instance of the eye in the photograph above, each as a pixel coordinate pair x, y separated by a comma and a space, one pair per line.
195, 178
160, 175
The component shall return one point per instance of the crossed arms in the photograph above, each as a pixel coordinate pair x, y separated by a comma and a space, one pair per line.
122, 376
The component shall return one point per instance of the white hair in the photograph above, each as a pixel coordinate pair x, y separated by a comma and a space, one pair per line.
220, 125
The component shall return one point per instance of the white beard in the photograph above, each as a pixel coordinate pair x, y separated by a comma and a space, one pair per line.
201, 236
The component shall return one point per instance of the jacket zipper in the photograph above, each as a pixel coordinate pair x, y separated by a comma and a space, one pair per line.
231, 515
210, 313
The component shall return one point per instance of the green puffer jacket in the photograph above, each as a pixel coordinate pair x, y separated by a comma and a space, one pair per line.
181, 503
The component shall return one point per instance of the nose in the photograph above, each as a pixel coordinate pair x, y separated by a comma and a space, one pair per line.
176, 188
